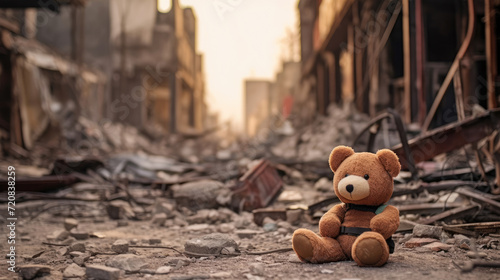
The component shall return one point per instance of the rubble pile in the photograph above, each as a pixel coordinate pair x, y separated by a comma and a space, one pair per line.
314, 141
198, 214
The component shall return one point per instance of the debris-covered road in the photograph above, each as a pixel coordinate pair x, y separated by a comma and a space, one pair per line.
208, 211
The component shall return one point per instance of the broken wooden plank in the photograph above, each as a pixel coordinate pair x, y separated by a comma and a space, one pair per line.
486, 227
449, 137
493, 205
426, 208
450, 214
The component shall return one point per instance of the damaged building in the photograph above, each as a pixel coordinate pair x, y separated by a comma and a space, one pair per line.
101, 61
430, 60
39, 86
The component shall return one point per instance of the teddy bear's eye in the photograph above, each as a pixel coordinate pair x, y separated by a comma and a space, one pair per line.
346, 175
367, 177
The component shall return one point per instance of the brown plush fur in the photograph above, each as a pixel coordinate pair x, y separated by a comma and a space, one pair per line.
368, 181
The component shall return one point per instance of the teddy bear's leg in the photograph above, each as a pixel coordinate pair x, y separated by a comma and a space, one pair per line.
370, 249
313, 248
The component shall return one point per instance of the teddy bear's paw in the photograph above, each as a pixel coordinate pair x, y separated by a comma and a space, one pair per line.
370, 249
303, 247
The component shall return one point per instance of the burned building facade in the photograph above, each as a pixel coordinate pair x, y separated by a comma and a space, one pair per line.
430, 60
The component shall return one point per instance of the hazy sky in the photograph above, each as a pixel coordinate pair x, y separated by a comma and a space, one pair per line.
239, 39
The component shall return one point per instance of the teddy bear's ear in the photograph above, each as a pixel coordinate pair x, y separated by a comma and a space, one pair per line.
390, 161
338, 155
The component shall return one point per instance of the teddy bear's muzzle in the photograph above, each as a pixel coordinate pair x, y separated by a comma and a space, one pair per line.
354, 187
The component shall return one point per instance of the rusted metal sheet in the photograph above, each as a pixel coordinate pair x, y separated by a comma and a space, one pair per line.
448, 138
257, 188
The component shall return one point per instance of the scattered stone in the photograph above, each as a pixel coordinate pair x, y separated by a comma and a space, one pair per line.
204, 216
294, 216
31, 271
289, 196
159, 219
100, 272
179, 262
427, 231
326, 271
79, 234
476, 255
70, 223
73, 271
153, 241
122, 223
127, 262
68, 241
164, 207
210, 244
228, 251
58, 235
438, 246
115, 210
197, 195
243, 221
418, 242
323, 185
247, 233
77, 246
462, 241
198, 227
120, 246
221, 275
63, 251
270, 227
81, 259
257, 269
163, 270
226, 228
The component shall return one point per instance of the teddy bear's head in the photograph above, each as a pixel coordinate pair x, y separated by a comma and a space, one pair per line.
363, 178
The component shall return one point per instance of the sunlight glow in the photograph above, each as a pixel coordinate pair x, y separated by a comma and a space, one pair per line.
164, 6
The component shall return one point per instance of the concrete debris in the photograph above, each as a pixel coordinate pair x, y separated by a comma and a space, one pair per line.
419, 242
159, 219
247, 233
120, 246
69, 224
323, 185
73, 271
58, 235
79, 234
100, 272
77, 246
211, 244
127, 262
438, 246
197, 195
427, 231
81, 258
462, 241
163, 270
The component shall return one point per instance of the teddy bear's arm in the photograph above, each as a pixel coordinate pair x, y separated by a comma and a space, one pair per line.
387, 222
329, 225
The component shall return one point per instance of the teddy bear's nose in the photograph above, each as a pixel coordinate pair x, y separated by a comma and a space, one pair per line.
349, 188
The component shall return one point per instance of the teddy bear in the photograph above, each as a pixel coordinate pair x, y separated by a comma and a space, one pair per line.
360, 228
